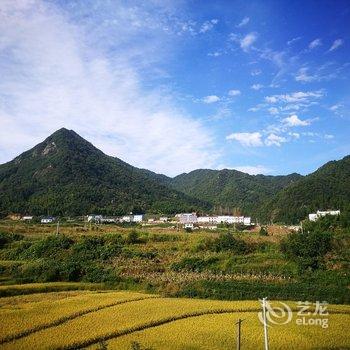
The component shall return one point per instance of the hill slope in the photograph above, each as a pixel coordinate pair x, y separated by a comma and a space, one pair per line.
231, 188
66, 174
326, 188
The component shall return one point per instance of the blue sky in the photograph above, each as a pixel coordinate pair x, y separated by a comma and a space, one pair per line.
258, 86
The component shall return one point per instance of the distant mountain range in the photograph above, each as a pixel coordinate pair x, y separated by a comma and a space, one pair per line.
67, 175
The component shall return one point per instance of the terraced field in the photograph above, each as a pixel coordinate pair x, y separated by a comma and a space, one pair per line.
96, 319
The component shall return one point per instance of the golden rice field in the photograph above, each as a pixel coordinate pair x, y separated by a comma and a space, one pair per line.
93, 319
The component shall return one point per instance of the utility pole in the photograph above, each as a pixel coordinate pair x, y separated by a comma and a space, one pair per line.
238, 323
266, 335
58, 227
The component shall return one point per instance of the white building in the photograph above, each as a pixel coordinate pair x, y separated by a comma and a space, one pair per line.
207, 219
126, 218
322, 213
189, 225
27, 218
137, 218
186, 218
47, 220
94, 218
107, 220
163, 219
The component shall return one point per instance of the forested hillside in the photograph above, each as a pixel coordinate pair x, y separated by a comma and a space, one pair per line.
326, 188
67, 175
229, 189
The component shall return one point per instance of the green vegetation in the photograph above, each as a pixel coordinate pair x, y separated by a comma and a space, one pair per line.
65, 175
311, 264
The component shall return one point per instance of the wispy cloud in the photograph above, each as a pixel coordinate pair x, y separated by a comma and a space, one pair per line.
211, 99
257, 86
246, 41
208, 25
244, 22
294, 40
294, 120
336, 44
253, 139
315, 43
298, 96
53, 75
274, 140
234, 92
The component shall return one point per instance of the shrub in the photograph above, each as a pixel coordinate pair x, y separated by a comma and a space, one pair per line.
133, 237
194, 264
263, 231
226, 242
307, 249
6, 238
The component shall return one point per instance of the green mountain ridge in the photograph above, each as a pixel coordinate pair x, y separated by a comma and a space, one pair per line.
67, 175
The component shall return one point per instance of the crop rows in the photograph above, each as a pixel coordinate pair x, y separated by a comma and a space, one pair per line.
67, 318
166, 320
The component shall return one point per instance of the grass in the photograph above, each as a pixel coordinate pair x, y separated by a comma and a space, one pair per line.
79, 319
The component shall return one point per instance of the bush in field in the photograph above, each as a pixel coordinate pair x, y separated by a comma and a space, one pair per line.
226, 242
307, 249
133, 237
263, 232
6, 238
48, 247
194, 264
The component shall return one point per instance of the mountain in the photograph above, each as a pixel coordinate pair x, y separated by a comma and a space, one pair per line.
326, 188
67, 175
229, 189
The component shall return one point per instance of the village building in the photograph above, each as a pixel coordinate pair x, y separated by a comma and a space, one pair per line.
94, 218
47, 220
137, 218
322, 213
187, 218
27, 218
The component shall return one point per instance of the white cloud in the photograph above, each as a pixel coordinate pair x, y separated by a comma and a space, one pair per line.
295, 135
249, 169
244, 22
273, 110
248, 139
234, 93
257, 86
274, 140
244, 42
315, 43
335, 107
292, 41
208, 25
294, 120
214, 54
255, 72
211, 99
54, 75
248, 41
295, 97
337, 43
328, 136
303, 76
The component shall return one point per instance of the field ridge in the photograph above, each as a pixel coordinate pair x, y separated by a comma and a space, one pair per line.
64, 319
